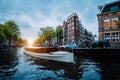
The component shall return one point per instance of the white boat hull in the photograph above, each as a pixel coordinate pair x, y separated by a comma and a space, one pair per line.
56, 56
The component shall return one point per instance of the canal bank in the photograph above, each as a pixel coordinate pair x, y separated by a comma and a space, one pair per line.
97, 51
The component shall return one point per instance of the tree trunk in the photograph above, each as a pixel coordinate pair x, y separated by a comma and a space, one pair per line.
10, 41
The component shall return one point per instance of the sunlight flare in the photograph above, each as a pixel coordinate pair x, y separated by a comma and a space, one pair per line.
30, 42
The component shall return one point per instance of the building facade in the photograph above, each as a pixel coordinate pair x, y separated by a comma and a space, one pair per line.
108, 19
73, 31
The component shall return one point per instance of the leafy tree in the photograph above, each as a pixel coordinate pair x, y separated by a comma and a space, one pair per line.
11, 30
7, 31
46, 34
59, 35
25, 41
37, 42
90, 33
2, 35
86, 32
20, 40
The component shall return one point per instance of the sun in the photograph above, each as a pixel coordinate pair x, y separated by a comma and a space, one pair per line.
30, 42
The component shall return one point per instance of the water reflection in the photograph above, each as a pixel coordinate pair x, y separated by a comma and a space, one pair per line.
87, 69
8, 62
15, 65
110, 67
60, 70
98, 67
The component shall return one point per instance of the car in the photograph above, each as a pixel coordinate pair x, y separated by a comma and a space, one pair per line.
69, 46
101, 44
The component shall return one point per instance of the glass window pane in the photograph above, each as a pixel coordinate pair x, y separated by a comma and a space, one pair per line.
107, 23
114, 22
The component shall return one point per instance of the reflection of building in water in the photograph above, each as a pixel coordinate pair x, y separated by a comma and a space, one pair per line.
108, 19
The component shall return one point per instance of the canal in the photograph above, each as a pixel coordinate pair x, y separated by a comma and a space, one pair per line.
15, 65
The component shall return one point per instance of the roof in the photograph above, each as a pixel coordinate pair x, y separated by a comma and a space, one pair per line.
110, 7
73, 14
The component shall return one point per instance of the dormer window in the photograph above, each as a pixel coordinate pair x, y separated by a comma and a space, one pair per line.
113, 8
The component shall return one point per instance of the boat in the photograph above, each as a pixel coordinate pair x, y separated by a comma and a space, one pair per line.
61, 56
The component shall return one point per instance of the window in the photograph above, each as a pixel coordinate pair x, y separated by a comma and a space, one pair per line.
72, 18
114, 8
106, 23
68, 25
107, 35
114, 22
72, 27
115, 37
114, 34
72, 37
72, 23
115, 40
68, 21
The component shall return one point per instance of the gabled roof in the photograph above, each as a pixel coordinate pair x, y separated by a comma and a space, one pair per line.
110, 7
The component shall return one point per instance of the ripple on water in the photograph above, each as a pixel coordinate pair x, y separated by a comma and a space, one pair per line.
15, 65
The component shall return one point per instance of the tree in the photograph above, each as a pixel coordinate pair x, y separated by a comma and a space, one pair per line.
20, 40
37, 42
86, 32
7, 31
59, 35
90, 34
11, 30
25, 41
46, 34
2, 35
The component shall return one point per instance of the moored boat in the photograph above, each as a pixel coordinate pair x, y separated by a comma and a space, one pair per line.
61, 56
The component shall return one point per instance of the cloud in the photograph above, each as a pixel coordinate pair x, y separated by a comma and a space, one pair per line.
31, 15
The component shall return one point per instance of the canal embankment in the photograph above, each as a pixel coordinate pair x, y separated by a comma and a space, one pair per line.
97, 51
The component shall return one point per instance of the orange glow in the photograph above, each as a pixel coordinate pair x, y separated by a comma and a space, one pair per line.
30, 42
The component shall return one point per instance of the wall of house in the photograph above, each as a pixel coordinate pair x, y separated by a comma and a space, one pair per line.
107, 25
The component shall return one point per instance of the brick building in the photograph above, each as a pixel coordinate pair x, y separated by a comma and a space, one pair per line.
73, 31
108, 19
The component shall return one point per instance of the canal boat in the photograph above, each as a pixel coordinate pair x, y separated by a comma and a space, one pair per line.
61, 56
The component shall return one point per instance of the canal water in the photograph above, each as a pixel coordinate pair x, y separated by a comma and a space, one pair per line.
15, 65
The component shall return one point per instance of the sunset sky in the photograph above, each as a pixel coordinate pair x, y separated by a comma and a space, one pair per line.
31, 15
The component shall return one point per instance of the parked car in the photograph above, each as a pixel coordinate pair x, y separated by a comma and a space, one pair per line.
101, 43
69, 46
82, 45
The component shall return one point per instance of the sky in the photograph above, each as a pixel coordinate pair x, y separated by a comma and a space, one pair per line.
31, 15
